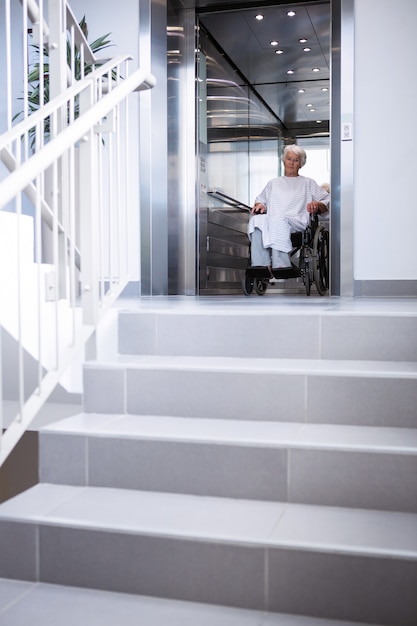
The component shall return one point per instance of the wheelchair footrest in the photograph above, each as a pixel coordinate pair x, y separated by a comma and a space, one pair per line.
286, 272
258, 271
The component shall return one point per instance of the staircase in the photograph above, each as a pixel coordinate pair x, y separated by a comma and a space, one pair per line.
258, 453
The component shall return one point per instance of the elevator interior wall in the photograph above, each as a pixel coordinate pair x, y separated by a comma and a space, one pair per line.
238, 151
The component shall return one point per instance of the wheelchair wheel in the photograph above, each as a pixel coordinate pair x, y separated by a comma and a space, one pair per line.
261, 285
305, 268
321, 259
307, 281
247, 285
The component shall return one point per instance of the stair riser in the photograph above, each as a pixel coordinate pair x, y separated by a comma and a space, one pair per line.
281, 397
322, 477
314, 336
318, 584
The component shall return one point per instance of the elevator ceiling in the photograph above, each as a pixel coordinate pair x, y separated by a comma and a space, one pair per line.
291, 74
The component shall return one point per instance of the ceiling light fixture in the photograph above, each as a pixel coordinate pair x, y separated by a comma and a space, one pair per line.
290, 13
279, 51
290, 71
301, 91
303, 40
306, 49
274, 42
318, 121
324, 89
259, 17
316, 69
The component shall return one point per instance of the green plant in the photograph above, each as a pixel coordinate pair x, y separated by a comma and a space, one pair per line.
34, 76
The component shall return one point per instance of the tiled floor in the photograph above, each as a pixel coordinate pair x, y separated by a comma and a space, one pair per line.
276, 303
36, 604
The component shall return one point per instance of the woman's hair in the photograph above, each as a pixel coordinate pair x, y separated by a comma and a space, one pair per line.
298, 151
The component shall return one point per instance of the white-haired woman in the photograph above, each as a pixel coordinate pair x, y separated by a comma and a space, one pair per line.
282, 208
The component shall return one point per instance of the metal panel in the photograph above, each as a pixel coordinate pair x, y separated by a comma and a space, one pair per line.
181, 152
153, 132
341, 149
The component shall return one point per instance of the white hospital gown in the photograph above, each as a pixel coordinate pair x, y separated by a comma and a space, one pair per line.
285, 199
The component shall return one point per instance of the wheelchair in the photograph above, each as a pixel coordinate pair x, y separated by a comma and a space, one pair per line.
311, 246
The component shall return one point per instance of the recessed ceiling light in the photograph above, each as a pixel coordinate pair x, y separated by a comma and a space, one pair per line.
279, 51
312, 110
274, 42
306, 49
290, 71
309, 105
303, 40
301, 91
316, 69
318, 121
324, 89
259, 17
290, 13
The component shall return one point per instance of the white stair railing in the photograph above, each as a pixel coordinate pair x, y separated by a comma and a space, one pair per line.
66, 171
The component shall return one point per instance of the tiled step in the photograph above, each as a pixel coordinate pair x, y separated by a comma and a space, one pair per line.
322, 562
364, 393
45, 605
272, 332
347, 466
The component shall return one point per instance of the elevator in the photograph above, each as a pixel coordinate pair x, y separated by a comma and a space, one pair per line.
236, 94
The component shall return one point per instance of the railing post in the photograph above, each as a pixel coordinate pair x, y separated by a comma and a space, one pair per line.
58, 76
88, 216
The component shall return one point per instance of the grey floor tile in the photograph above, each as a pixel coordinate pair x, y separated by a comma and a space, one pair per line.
234, 471
104, 389
341, 586
215, 573
18, 550
385, 481
189, 516
358, 531
62, 459
37, 502
41, 604
370, 338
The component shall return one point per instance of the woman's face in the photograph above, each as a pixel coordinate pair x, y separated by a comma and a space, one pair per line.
292, 164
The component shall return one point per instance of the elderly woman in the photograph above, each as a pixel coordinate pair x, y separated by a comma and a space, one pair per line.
282, 208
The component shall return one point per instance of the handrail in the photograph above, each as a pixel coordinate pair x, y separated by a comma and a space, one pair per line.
47, 109
229, 200
20, 178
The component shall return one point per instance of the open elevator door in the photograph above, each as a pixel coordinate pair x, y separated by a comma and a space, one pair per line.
247, 110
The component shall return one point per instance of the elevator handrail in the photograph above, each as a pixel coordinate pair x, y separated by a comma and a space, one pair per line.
229, 200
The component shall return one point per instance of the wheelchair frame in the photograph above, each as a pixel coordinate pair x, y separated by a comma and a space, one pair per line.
313, 266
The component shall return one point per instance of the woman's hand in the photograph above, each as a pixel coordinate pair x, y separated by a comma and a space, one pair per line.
258, 208
316, 207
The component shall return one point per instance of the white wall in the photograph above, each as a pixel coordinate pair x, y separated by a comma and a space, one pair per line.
385, 140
